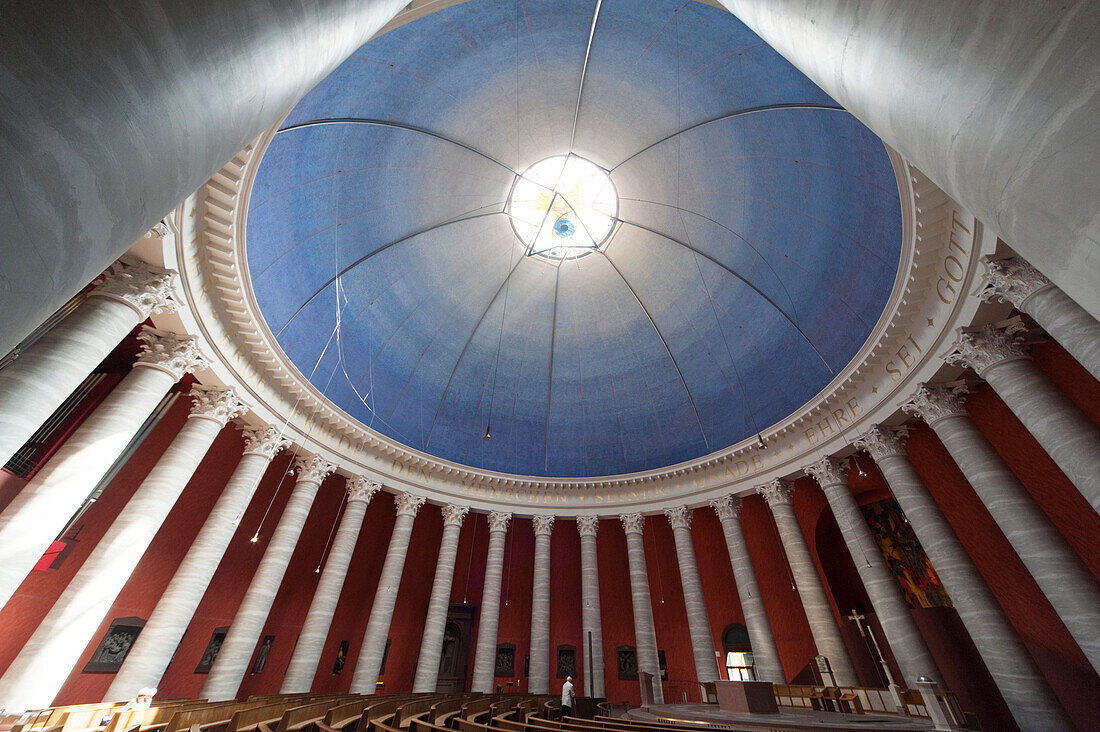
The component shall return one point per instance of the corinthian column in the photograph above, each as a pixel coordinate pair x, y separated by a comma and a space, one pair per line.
592, 642
765, 655
901, 631
1023, 687
236, 650
1016, 281
152, 651
823, 625
702, 647
1068, 436
539, 681
485, 655
39, 512
1059, 572
435, 624
311, 641
645, 634
37, 673
35, 384
385, 597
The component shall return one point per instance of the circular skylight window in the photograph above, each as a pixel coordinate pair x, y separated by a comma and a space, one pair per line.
563, 207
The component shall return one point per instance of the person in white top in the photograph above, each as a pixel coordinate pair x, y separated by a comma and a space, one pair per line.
567, 697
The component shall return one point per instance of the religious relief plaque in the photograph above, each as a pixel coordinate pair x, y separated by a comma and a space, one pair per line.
627, 662
212, 649
116, 643
567, 661
261, 657
341, 658
506, 660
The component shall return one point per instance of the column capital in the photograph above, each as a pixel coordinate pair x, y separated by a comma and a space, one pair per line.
728, 508
313, 468
144, 287
498, 521
633, 523
987, 346
828, 471
933, 402
266, 441
1011, 280
219, 404
776, 493
588, 525
880, 442
362, 489
453, 514
543, 524
172, 353
408, 503
679, 517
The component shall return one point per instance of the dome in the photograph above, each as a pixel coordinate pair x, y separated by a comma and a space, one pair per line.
737, 248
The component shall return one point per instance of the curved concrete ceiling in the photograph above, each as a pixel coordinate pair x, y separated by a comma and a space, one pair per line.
759, 237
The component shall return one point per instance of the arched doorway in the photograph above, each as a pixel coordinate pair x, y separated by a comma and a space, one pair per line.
737, 651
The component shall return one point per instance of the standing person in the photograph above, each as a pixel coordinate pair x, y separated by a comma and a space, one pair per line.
567, 697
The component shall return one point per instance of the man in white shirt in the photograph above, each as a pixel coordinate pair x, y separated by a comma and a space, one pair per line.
567, 697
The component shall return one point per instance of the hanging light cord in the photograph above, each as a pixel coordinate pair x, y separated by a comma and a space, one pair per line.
328, 542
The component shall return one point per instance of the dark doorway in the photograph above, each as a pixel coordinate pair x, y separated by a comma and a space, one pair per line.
456, 649
737, 653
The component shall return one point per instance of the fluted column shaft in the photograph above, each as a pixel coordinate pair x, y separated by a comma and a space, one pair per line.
645, 633
590, 607
236, 650
36, 383
539, 680
311, 641
485, 655
1023, 687
1068, 585
152, 651
765, 654
811, 591
365, 678
38, 672
39, 512
702, 646
435, 624
910, 650
1063, 430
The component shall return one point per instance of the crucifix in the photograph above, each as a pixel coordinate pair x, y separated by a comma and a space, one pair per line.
859, 618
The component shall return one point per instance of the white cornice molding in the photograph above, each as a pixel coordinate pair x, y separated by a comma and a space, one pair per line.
940, 255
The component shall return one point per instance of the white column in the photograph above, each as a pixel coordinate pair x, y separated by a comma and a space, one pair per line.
311, 641
435, 624
645, 633
1023, 687
702, 646
591, 650
1059, 572
1063, 430
35, 384
236, 650
910, 651
539, 680
152, 651
765, 655
1016, 281
39, 512
365, 678
38, 672
485, 655
811, 591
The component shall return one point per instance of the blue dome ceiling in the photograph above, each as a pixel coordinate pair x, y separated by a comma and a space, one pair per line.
760, 236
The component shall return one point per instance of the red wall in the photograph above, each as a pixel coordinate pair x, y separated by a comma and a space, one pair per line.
1058, 657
